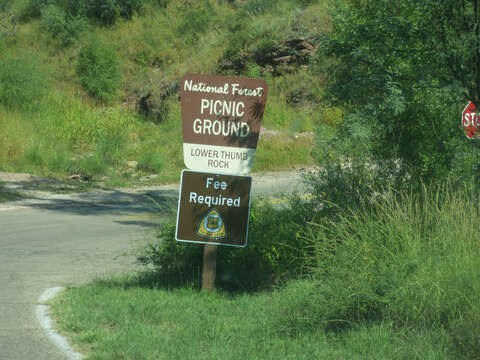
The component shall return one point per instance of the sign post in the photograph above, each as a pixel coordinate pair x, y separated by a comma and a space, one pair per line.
209, 270
221, 121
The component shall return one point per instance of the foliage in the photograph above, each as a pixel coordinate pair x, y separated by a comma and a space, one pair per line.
273, 255
407, 259
260, 7
99, 70
404, 79
61, 27
5, 5
149, 323
24, 81
196, 20
33, 9
151, 48
336, 188
402, 270
150, 162
107, 12
103, 12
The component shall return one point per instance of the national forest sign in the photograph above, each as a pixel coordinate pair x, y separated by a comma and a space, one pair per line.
221, 120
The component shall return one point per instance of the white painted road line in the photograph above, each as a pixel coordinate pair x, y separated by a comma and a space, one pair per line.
46, 324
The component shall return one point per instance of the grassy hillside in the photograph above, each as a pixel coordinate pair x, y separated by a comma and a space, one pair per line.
90, 88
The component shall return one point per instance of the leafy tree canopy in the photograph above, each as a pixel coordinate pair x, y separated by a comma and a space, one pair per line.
404, 70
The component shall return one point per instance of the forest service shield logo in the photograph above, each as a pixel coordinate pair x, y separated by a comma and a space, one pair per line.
212, 226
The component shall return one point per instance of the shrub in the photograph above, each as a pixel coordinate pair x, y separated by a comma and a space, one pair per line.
86, 167
273, 255
407, 259
160, 3
61, 27
99, 70
5, 5
259, 7
150, 161
33, 9
336, 188
196, 21
103, 12
112, 136
23, 82
32, 158
106, 12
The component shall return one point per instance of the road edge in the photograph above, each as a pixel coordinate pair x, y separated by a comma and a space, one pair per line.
41, 311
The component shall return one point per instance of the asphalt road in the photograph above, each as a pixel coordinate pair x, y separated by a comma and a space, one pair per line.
49, 240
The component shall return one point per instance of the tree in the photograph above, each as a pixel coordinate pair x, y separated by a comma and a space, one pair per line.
403, 71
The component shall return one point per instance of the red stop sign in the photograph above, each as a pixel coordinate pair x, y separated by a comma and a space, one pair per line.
471, 121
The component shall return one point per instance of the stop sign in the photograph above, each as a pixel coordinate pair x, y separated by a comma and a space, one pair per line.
471, 121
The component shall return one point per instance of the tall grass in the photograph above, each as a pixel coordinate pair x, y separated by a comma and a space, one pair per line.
411, 259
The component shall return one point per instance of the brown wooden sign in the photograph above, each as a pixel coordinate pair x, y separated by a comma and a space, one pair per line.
221, 119
213, 208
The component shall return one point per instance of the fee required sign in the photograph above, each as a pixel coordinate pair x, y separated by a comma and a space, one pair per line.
221, 120
213, 208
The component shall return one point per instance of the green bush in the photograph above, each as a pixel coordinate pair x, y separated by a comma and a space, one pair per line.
409, 259
32, 9
86, 167
24, 81
106, 12
109, 148
59, 159
5, 5
160, 3
274, 254
99, 70
61, 27
33, 157
237, 43
112, 137
336, 188
196, 20
259, 7
150, 161
103, 12
407, 103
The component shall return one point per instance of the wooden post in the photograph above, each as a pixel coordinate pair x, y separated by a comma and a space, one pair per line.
209, 266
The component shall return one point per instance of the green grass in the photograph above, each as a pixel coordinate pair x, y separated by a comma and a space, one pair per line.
112, 321
283, 152
53, 125
395, 280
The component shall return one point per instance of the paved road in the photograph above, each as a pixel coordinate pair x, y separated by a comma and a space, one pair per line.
52, 240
